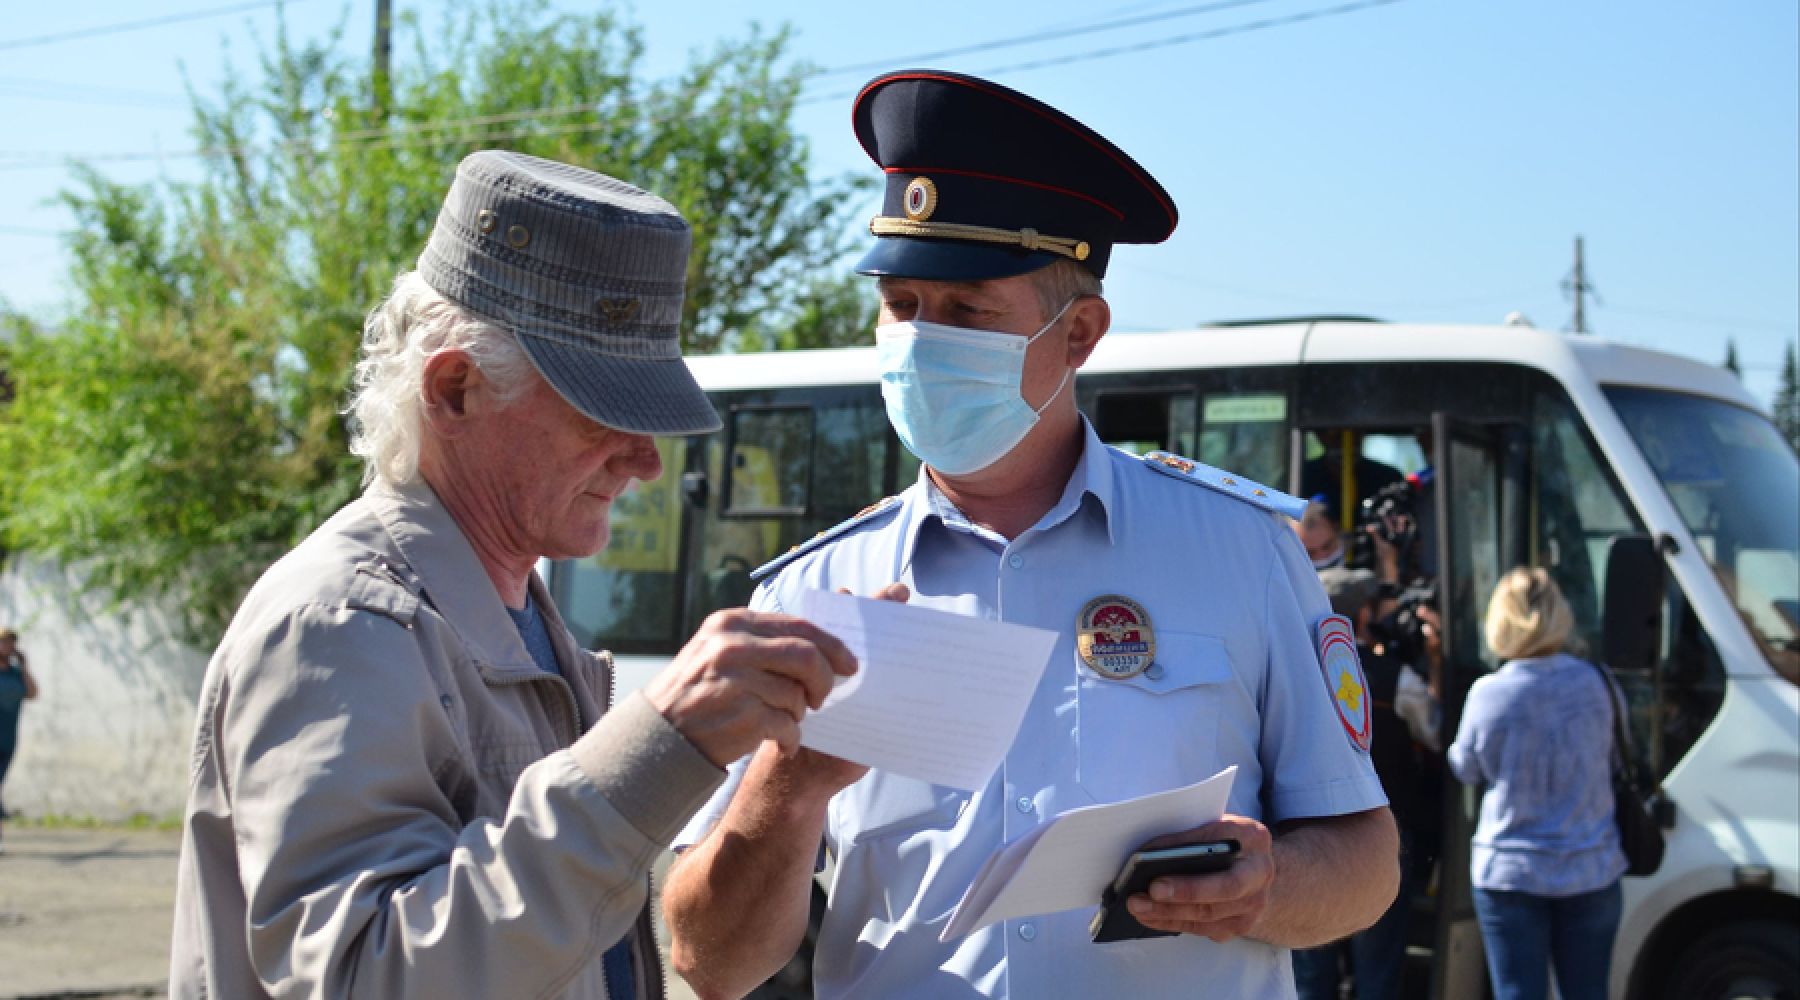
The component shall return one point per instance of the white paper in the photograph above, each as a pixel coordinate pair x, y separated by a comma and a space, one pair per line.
939, 696
1070, 860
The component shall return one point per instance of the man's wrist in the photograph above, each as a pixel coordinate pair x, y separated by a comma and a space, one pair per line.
798, 788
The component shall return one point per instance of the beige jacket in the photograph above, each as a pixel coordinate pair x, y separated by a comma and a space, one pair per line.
388, 798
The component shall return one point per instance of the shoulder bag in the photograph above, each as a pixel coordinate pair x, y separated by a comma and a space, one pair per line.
1639, 835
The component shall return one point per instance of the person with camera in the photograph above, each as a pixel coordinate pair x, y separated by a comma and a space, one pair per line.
1401, 757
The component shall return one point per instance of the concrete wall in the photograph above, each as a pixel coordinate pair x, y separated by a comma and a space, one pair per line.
109, 735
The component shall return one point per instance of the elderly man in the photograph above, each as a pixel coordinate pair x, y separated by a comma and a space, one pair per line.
999, 219
408, 780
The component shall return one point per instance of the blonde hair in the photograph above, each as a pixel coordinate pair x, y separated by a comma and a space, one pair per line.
1528, 616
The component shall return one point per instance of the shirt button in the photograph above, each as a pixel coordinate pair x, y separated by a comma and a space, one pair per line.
1015, 560
1154, 672
1024, 804
1028, 931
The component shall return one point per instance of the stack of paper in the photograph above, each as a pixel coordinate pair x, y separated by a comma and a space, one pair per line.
1069, 861
939, 696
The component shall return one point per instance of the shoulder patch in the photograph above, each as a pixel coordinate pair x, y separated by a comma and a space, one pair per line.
1344, 678
1236, 487
868, 513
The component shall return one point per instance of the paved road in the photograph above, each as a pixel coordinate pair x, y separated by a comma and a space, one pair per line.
86, 914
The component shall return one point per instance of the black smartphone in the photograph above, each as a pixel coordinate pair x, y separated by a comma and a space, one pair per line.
1114, 922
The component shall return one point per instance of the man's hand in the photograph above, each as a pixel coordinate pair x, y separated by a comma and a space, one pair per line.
801, 770
1220, 906
746, 677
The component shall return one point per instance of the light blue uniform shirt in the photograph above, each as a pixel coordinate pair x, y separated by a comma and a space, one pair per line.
1232, 601
1537, 734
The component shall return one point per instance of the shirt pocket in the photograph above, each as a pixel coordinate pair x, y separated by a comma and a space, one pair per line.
893, 838
1158, 730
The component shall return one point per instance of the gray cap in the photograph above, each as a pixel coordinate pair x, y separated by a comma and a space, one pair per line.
1349, 589
587, 271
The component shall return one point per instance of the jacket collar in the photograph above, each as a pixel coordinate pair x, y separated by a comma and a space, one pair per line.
452, 578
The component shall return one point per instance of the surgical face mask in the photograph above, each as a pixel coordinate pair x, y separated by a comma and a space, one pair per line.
953, 393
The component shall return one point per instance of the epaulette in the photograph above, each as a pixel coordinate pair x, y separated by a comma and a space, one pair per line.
875, 509
386, 589
1236, 487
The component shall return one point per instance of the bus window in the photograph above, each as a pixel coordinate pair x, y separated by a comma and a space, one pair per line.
796, 469
624, 598
1736, 485
1576, 510
1142, 421
771, 461
1246, 433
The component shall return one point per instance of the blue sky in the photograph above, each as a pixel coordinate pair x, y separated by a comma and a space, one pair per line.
1414, 160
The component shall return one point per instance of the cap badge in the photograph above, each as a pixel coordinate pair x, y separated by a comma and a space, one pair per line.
1114, 638
617, 312
1344, 678
921, 199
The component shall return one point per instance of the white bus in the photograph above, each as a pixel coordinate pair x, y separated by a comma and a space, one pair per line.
1562, 451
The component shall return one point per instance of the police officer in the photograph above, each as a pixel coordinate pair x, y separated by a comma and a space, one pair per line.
1188, 612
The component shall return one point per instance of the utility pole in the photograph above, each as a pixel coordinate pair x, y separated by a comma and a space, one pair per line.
1577, 287
383, 45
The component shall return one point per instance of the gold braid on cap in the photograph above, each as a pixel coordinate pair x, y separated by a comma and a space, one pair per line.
1029, 239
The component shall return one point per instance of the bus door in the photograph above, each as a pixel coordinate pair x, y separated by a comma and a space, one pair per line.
1474, 490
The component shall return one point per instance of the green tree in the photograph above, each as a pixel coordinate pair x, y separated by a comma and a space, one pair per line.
1731, 358
177, 427
1787, 398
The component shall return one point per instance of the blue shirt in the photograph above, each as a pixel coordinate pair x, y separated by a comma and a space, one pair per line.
1233, 602
535, 636
1537, 734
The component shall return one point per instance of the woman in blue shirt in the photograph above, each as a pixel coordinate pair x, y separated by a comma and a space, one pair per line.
1545, 861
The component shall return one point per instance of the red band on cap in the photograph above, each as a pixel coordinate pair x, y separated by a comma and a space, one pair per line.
1008, 180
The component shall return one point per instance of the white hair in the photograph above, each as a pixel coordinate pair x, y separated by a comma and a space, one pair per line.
411, 325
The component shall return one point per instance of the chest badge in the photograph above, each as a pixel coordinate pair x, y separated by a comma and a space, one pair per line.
1344, 679
1114, 637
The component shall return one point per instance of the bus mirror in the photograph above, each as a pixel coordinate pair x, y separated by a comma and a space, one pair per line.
1631, 630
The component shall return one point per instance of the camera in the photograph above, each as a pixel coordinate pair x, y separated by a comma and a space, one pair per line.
1391, 515
1402, 630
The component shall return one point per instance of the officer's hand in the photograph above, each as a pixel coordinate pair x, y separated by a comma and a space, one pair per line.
1220, 906
805, 770
745, 677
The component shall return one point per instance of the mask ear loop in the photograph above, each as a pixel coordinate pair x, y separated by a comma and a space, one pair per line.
1067, 371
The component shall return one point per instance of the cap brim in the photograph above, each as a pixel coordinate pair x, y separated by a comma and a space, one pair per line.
639, 395
946, 260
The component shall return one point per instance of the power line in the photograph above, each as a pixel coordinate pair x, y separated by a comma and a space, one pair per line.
387, 137
1040, 36
124, 26
49, 90
1198, 36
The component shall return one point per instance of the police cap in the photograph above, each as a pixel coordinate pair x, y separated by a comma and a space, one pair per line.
985, 182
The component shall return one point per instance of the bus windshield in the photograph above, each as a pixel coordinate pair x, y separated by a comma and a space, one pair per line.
1737, 486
